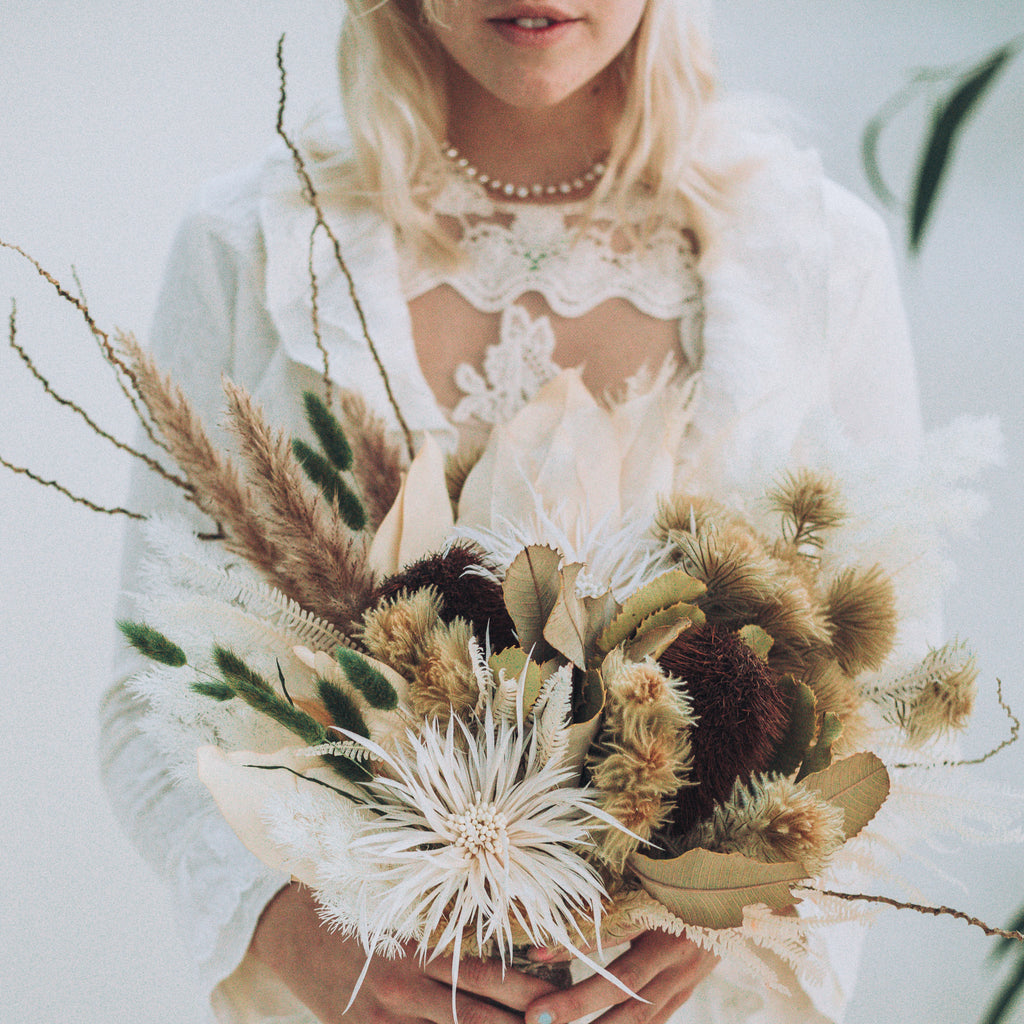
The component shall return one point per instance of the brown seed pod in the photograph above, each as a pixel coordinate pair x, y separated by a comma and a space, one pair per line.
463, 594
740, 716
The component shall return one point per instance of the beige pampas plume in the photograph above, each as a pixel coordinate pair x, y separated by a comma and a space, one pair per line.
324, 562
377, 462
772, 819
217, 488
642, 756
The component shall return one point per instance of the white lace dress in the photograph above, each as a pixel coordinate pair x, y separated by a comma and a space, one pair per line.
784, 340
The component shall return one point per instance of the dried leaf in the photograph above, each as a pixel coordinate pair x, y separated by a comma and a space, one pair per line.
531, 589
756, 639
799, 733
566, 628
668, 589
819, 757
657, 631
710, 890
513, 660
858, 784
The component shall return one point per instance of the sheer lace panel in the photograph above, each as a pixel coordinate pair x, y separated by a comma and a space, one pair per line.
516, 249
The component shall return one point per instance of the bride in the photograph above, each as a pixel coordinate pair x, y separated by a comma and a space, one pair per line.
520, 187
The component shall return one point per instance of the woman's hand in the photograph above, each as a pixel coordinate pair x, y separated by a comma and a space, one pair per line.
660, 968
321, 968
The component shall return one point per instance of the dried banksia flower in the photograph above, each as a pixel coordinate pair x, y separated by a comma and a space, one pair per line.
643, 753
836, 692
746, 585
740, 711
772, 819
861, 608
395, 630
463, 592
810, 504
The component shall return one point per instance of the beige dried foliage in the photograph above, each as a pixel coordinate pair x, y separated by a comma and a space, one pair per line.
459, 465
836, 692
690, 513
747, 585
396, 630
773, 819
861, 607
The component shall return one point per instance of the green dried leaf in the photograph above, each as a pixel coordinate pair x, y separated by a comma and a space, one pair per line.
513, 660
657, 631
819, 757
757, 640
858, 784
667, 590
710, 890
531, 589
799, 733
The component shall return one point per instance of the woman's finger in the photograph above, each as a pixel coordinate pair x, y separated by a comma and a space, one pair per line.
558, 954
632, 968
436, 1007
651, 954
487, 978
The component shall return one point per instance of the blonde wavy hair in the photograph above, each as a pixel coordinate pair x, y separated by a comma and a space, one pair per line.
391, 71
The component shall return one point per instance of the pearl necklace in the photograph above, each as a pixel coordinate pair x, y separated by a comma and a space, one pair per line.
559, 188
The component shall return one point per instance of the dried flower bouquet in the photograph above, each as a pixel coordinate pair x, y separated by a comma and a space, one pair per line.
492, 701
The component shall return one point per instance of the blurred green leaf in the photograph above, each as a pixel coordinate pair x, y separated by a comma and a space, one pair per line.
948, 121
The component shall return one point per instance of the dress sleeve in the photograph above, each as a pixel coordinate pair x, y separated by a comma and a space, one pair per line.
872, 378
209, 320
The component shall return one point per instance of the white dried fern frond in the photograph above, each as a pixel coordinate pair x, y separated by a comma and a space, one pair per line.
184, 564
551, 714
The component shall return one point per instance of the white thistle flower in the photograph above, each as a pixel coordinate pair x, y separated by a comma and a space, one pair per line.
474, 832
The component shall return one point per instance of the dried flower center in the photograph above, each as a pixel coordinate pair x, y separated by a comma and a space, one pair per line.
479, 829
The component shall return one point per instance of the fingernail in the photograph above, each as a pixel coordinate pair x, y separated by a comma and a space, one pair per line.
545, 1018
542, 954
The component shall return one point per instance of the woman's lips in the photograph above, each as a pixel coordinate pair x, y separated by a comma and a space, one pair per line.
533, 30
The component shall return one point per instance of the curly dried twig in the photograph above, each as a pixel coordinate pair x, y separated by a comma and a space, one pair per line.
101, 336
150, 462
314, 296
78, 500
1008, 742
854, 897
310, 194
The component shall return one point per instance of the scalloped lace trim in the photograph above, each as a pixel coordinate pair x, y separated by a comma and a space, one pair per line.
515, 248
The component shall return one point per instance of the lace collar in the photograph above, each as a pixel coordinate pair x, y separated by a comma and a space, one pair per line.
515, 248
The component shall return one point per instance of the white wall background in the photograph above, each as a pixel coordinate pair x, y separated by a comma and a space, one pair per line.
112, 113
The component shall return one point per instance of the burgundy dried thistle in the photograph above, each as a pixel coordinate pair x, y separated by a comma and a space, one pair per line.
468, 595
741, 716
